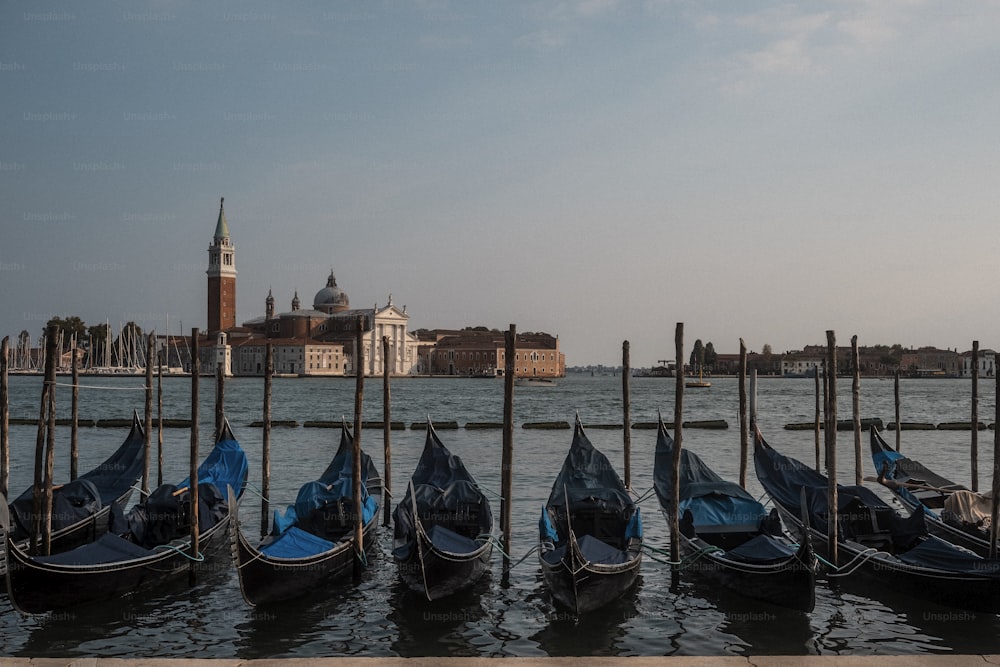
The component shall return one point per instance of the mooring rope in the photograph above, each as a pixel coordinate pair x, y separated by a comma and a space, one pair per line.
199, 559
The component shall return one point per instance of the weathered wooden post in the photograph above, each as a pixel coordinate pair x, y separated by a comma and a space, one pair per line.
627, 418
386, 435
147, 423
975, 416
159, 422
220, 398
856, 411
995, 499
50, 447
195, 370
744, 431
39, 479
359, 391
831, 443
74, 435
4, 416
816, 425
675, 540
265, 491
899, 425
507, 455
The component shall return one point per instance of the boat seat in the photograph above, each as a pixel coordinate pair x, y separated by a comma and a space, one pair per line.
605, 526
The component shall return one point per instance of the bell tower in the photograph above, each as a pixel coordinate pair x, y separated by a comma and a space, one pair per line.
221, 278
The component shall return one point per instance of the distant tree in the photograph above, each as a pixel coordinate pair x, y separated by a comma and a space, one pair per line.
97, 344
766, 350
131, 345
710, 355
697, 355
71, 327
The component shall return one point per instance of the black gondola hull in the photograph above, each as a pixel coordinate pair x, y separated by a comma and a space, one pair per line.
790, 583
952, 589
437, 574
35, 587
581, 586
266, 580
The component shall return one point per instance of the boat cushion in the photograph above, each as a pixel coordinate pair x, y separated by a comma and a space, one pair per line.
296, 543
108, 548
447, 540
936, 553
761, 549
596, 551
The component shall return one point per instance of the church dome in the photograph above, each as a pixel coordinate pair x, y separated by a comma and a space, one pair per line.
331, 298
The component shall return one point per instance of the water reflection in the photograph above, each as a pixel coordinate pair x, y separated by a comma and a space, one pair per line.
441, 627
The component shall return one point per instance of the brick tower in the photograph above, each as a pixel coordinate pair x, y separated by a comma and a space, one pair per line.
221, 278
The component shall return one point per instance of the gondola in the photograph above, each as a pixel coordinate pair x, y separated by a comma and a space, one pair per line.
146, 546
80, 508
442, 529
953, 512
874, 539
312, 543
590, 532
729, 537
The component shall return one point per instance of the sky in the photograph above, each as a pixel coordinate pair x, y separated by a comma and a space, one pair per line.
596, 169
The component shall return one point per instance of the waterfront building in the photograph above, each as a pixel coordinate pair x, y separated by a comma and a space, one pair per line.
480, 352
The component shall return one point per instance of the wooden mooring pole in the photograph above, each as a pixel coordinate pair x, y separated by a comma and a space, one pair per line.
265, 466
74, 427
856, 410
995, 499
675, 541
386, 435
899, 438
4, 416
744, 430
159, 422
975, 416
220, 397
39, 479
147, 423
831, 443
816, 425
359, 392
51, 361
507, 455
627, 417
195, 371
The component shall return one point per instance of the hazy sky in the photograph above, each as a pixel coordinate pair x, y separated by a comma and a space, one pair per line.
596, 169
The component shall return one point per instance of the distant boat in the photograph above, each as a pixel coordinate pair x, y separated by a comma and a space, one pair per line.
700, 383
535, 382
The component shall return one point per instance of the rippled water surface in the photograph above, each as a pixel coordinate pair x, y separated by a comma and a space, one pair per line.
378, 617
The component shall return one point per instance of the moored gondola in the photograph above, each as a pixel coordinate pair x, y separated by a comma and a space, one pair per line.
80, 508
953, 512
442, 529
142, 548
874, 539
590, 532
312, 543
728, 537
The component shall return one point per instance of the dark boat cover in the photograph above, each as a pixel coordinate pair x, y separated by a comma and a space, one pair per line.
225, 466
902, 469
716, 504
446, 494
862, 513
85, 496
589, 483
324, 509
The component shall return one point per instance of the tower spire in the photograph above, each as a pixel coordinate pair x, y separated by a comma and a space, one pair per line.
221, 228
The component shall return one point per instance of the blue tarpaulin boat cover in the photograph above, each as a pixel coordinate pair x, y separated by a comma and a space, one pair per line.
762, 549
324, 508
225, 466
296, 543
109, 548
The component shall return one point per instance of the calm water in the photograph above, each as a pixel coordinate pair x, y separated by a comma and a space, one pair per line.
377, 617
